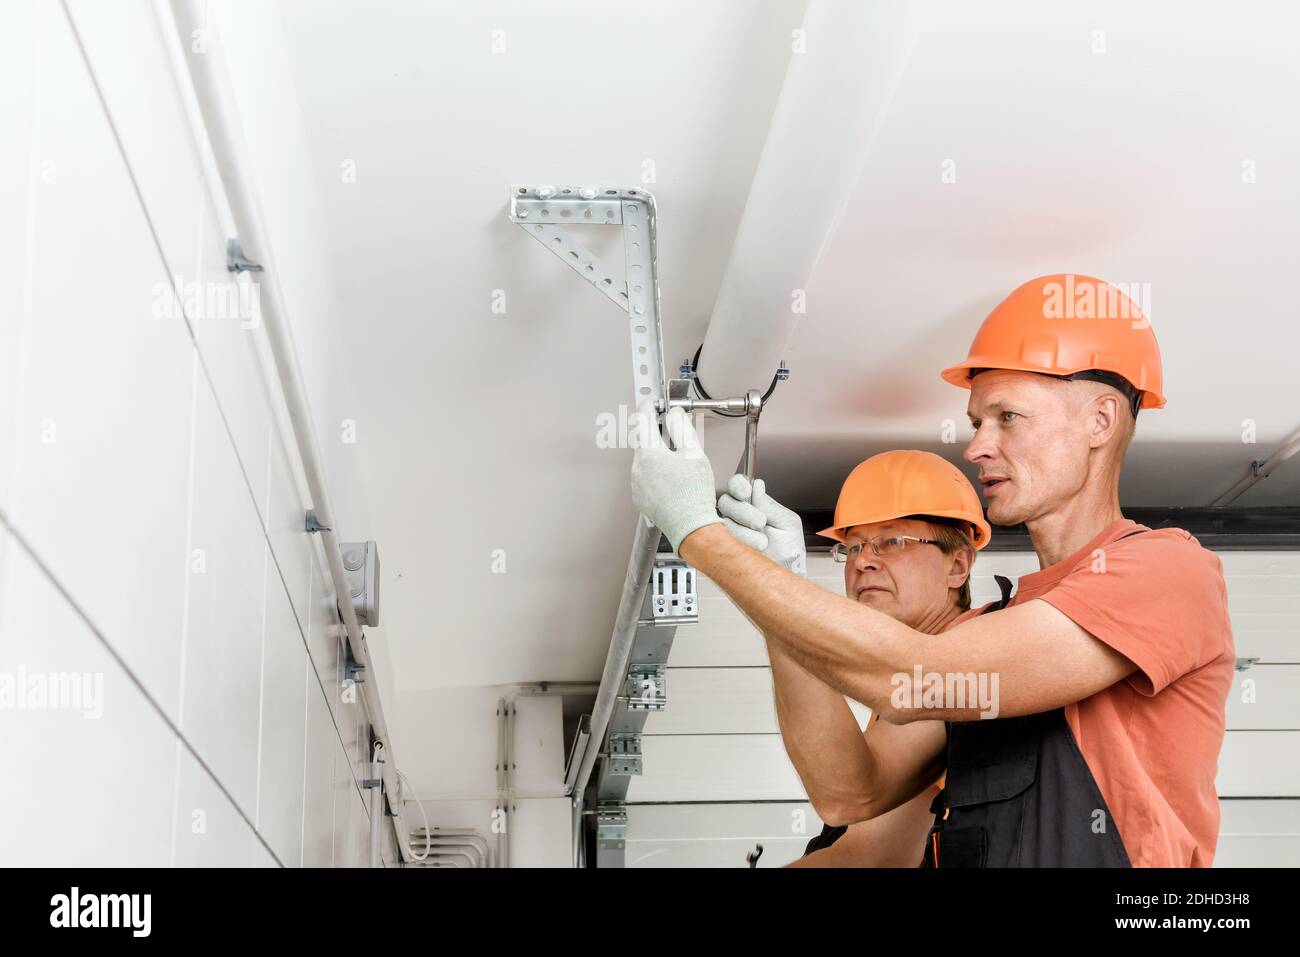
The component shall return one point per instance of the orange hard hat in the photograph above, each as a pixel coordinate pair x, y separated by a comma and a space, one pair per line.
1070, 326
901, 484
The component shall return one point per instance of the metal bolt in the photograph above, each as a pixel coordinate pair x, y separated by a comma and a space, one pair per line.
782, 372
587, 193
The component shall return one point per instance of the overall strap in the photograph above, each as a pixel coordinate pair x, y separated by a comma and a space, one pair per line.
1004, 585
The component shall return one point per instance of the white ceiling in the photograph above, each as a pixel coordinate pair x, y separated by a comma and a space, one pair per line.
1124, 164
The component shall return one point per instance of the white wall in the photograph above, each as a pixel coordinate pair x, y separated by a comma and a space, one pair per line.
460, 740
718, 743
152, 503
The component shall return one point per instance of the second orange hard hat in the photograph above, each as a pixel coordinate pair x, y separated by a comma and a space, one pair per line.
904, 483
1068, 325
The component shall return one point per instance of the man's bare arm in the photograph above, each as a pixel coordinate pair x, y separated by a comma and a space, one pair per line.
820, 735
850, 775
1043, 660
894, 839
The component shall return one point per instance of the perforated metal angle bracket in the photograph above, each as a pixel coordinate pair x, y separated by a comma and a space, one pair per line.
543, 211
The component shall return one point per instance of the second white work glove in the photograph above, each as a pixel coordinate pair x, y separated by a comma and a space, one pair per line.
762, 522
673, 488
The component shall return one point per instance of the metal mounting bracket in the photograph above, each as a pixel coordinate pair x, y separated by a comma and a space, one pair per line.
625, 753
235, 259
353, 669
312, 525
542, 211
646, 687
611, 827
672, 592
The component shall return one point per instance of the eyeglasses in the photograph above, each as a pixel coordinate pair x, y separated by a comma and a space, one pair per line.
843, 551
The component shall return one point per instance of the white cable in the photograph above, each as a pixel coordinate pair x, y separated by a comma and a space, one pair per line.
428, 843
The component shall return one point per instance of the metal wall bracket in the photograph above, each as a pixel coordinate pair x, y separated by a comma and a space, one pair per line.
625, 753
673, 599
236, 261
1244, 664
542, 211
646, 687
313, 525
611, 827
353, 670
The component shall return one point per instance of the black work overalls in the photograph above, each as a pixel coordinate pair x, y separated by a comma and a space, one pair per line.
1019, 794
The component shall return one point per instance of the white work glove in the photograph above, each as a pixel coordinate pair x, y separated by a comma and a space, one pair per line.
764, 523
673, 488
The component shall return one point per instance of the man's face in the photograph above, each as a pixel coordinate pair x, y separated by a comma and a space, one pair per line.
911, 585
1031, 443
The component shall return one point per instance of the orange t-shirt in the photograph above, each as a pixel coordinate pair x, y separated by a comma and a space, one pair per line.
1152, 740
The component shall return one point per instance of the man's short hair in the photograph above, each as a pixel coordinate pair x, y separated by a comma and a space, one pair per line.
952, 535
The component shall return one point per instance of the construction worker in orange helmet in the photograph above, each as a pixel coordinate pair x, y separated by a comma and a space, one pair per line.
907, 527
1085, 714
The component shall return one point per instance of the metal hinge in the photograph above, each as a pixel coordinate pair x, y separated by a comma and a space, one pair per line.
646, 687
624, 753
611, 826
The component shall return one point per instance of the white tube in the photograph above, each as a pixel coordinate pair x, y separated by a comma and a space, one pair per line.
218, 121
1288, 449
502, 823
836, 93
377, 805
510, 778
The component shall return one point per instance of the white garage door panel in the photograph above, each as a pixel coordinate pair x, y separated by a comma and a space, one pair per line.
722, 637
718, 835
716, 852
696, 822
723, 701
721, 619
1259, 834
1252, 833
1279, 599
1260, 764
715, 767
740, 767
1243, 566
1265, 697
1271, 638
716, 701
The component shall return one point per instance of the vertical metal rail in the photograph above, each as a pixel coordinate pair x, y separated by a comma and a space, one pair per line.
214, 117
